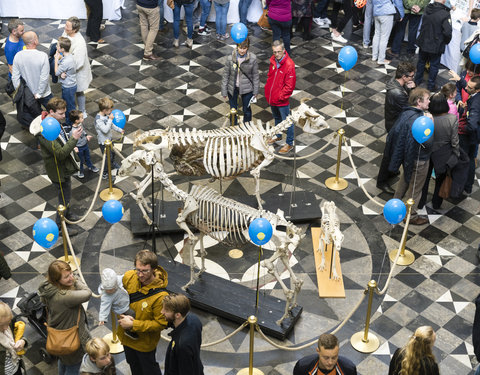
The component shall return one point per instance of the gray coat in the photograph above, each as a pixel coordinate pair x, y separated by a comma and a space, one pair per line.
249, 78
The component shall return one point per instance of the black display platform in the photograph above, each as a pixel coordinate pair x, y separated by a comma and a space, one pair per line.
230, 300
305, 208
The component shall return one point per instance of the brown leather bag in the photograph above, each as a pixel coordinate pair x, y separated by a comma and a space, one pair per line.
63, 341
171, 3
263, 21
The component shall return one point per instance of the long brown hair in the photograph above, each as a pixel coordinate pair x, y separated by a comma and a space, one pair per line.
418, 348
54, 273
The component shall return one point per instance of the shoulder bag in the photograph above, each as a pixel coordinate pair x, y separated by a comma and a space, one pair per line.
263, 21
63, 341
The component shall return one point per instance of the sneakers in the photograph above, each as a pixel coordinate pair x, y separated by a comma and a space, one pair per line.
339, 38
80, 174
384, 62
274, 140
320, 22
94, 169
85, 115
176, 43
104, 176
285, 149
189, 43
366, 46
326, 21
203, 31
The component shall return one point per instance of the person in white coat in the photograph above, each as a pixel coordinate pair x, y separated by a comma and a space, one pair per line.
82, 63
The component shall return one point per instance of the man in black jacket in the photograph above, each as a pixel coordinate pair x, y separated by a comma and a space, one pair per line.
435, 34
183, 352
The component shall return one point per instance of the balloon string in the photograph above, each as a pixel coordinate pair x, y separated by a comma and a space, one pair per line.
258, 279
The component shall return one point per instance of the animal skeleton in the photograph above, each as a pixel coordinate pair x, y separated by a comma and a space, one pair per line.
221, 218
227, 151
330, 233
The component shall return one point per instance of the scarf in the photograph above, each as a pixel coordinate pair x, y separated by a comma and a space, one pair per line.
7, 341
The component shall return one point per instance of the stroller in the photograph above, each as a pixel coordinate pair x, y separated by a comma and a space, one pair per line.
34, 310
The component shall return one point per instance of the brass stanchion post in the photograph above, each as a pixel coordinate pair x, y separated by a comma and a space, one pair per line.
366, 342
61, 209
406, 257
337, 183
252, 320
111, 338
110, 192
233, 115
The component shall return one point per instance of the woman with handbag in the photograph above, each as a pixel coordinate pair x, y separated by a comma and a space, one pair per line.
280, 20
12, 342
240, 77
63, 296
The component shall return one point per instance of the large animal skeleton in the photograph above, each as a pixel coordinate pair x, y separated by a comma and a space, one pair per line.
228, 151
330, 234
221, 218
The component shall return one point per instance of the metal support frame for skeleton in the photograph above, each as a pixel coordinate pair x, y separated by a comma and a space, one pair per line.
221, 218
330, 234
230, 151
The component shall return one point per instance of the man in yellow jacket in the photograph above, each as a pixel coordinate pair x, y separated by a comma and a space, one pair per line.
146, 287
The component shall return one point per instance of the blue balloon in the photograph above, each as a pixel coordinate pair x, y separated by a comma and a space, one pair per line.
260, 231
45, 232
119, 118
112, 211
394, 211
475, 53
422, 129
239, 32
50, 128
347, 57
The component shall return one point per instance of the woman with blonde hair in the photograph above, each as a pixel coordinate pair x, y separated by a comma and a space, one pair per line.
12, 342
416, 358
63, 296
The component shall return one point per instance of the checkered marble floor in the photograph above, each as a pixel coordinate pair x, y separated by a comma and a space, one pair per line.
183, 88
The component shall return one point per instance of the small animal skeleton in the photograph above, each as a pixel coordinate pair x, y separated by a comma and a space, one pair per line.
228, 151
330, 233
221, 218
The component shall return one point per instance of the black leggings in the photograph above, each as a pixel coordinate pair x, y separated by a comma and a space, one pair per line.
347, 6
94, 19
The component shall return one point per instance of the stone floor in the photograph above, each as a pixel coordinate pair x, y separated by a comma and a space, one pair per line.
183, 89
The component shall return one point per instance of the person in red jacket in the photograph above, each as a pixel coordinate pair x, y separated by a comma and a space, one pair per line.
278, 89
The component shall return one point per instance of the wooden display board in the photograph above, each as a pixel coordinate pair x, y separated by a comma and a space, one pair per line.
327, 287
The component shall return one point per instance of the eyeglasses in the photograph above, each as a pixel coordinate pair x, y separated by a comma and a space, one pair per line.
410, 75
143, 272
277, 52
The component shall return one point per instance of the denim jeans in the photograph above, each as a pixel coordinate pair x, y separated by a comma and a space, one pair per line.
162, 17
188, 17
84, 155
196, 12
206, 6
243, 6
68, 94
281, 30
247, 110
413, 21
434, 59
320, 10
68, 369
367, 23
280, 113
221, 11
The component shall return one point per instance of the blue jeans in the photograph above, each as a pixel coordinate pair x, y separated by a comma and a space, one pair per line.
434, 59
162, 17
243, 6
320, 10
84, 155
221, 11
281, 30
413, 23
68, 94
367, 23
196, 12
188, 17
280, 113
206, 6
68, 369
247, 110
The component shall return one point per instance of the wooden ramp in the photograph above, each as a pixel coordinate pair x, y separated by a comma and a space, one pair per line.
327, 287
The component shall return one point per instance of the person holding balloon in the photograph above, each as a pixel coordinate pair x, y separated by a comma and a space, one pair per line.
409, 144
58, 154
104, 124
240, 77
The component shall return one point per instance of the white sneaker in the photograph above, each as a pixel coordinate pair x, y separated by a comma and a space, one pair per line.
85, 115
175, 43
318, 21
326, 21
339, 38
366, 46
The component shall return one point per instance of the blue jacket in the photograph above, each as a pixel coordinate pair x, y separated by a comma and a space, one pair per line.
386, 7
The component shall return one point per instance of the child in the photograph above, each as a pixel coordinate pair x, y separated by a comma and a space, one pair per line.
114, 297
468, 28
11, 341
449, 90
97, 360
66, 70
76, 119
104, 126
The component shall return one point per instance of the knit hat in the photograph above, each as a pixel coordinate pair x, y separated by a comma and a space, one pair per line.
109, 279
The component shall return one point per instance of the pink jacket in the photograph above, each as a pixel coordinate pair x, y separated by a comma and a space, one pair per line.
453, 108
